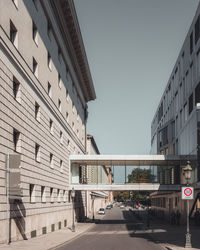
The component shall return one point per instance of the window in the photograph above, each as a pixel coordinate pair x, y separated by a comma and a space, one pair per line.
61, 137
59, 105
49, 90
49, 61
51, 126
43, 194
37, 111
35, 67
15, 3
67, 73
16, 90
51, 160
190, 103
37, 152
197, 94
185, 113
59, 195
197, 29
61, 166
35, 33
49, 30
73, 125
51, 195
67, 95
67, 116
13, 34
191, 43
68, 143
16, 140
73, 107
198, 63
59, 81
32, 193
59, 54
35, 2
64, 196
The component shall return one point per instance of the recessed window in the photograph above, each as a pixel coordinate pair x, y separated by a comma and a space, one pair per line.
73, 125
67, 116
43, 194
16, 141
35, 67
68, 143
16, 90
51, 161
61, 137
51, 195
15, 3
191, 43
59, 195
13, 34
35, 2
197, 29
49, 61
49, 90
73, 107
35, 33
37, 111
51, 126
67, 95
190, 103
37, 152
59, 105
59, 81
77, 132
59, 54
32, 193
64, 196
61, 166
49, 30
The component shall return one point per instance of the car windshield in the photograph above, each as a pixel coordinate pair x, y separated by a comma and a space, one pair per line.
101, 209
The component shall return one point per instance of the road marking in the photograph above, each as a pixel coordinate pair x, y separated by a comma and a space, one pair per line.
149, 231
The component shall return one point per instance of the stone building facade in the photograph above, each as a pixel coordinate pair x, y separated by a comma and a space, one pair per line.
45, 84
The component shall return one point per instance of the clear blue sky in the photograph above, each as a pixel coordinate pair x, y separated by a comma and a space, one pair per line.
132, 46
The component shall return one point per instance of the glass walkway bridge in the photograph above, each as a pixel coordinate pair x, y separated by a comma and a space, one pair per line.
165, 169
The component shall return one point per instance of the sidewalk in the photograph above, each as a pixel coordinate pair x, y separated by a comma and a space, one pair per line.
50, 240
172, 237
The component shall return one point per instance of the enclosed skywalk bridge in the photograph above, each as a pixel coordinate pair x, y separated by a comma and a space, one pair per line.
82, 162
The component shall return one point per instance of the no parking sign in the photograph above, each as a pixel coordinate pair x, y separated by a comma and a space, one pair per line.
187, 193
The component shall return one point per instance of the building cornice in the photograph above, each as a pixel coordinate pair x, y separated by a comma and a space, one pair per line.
65, 13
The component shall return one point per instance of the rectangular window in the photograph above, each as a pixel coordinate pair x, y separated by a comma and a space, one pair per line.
32, 193
37, 111
16, 90
67, 95
49, 30
191, 43
64, 195
51, 126
59, 105
43, 194
49, 90
198, 63
13, 34
59, 195
197, 29
49, 61
35, 33
59, 81
61, 166
35, 67
59, 54
51, 195
185, 113
190, 103
67, 117
37, 152
51, 161
197, 94
16, 141
61, 137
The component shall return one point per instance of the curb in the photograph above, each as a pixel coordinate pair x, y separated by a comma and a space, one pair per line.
71, 239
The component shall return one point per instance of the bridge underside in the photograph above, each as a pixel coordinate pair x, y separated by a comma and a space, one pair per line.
126, 187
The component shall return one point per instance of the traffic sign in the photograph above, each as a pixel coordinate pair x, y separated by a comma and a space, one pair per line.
187, 193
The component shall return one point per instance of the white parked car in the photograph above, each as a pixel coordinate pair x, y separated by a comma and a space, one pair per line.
101, 211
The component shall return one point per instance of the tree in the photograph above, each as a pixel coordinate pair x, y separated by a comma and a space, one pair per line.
139, 175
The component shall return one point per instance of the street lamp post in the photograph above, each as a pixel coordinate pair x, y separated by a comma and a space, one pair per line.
73, 196
93, 207
187, 173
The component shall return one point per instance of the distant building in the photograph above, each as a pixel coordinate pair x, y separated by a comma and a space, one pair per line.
176, 124
45, 84
96, 175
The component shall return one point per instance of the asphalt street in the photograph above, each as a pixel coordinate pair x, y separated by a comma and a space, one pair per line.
117, 230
